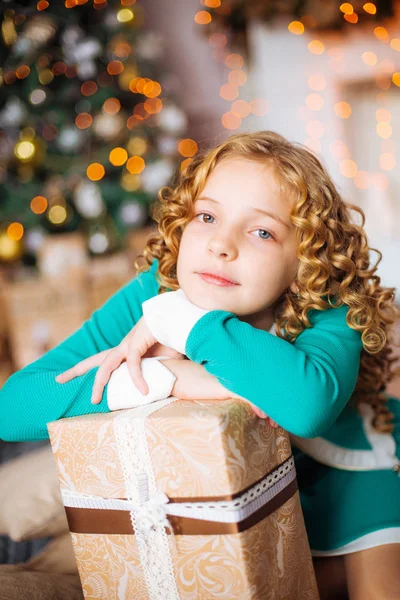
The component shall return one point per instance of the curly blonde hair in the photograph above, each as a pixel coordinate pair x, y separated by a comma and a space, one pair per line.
334, 264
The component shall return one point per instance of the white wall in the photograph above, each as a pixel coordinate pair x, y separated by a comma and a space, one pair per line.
281, 67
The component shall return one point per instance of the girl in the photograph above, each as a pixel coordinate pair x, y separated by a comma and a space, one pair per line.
254, 236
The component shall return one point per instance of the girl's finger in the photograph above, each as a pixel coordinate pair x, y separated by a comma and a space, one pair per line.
134, 360
82, 367
109, 364
259, 412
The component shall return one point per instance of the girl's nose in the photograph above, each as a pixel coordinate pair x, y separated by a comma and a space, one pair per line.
223, 247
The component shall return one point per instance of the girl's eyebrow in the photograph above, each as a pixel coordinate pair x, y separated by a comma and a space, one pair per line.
254, 209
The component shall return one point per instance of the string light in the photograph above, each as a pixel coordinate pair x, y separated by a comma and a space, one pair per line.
381, 33
118, 157
125, 15
187, 147
115, 67
370, 8
202, 17
352, 18
347, 8
317, 83
395, 44
83, 121
95, 171
296, 27
22, 71
237, 77
15, 231
24, 150
38, 205
241, 108
316, 47
369, 58
342, 109
348, 168
135, 165
387, 161
396, 79
230, 120
234, 61
228, 91
314, 102
57, 214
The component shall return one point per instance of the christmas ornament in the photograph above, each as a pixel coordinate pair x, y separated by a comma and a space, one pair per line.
70, 139
81, 51
157, 174
39, 30
34, 239
166, 144
13, 113
88, 199
150, 46
108, 127
172, 119
133, 213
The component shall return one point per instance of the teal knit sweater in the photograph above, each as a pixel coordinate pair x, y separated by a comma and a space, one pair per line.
303, 386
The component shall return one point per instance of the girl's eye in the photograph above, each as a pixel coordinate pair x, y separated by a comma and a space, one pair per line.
264, 232
206, 215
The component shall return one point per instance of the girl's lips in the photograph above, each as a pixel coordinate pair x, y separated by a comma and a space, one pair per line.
216, 280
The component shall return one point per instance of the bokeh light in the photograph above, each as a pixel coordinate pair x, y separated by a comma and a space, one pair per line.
202, 17
316, 47
15, 231
38, 205
342, 109
314, 102
95, 171
229, 92
230, 120
118, 156
187, 147
111, 106
135, 165
317, 82
234, 61
296, 27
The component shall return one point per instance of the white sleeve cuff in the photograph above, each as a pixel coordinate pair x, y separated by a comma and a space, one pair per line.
171, 317
123, 393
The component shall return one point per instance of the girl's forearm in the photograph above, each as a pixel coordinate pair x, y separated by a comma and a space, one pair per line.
193, 382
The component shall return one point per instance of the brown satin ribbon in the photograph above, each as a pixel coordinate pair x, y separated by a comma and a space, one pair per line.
182, 499
106, 521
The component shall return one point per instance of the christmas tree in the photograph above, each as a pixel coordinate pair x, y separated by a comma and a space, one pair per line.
89, 127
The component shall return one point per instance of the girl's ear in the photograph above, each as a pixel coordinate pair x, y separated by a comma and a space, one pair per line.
294, 288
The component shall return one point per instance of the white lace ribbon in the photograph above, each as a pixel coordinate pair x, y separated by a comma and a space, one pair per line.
149, 519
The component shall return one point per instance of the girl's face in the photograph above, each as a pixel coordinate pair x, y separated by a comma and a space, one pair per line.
241, 232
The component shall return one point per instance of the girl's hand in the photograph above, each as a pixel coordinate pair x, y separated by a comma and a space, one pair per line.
137, 344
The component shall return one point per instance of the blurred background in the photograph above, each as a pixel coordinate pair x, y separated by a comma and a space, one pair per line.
104, 102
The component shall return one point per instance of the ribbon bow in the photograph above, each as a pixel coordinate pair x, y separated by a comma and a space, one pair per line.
151, 514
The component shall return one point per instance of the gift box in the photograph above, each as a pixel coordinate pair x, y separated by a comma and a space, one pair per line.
179, 499
40, 314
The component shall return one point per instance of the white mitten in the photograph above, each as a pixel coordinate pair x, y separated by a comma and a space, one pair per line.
123, 393
171, 317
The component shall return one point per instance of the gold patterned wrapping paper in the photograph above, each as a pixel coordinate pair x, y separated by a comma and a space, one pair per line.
200, 450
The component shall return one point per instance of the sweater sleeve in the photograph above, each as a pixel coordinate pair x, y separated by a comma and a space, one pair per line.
303, 385
31, 397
